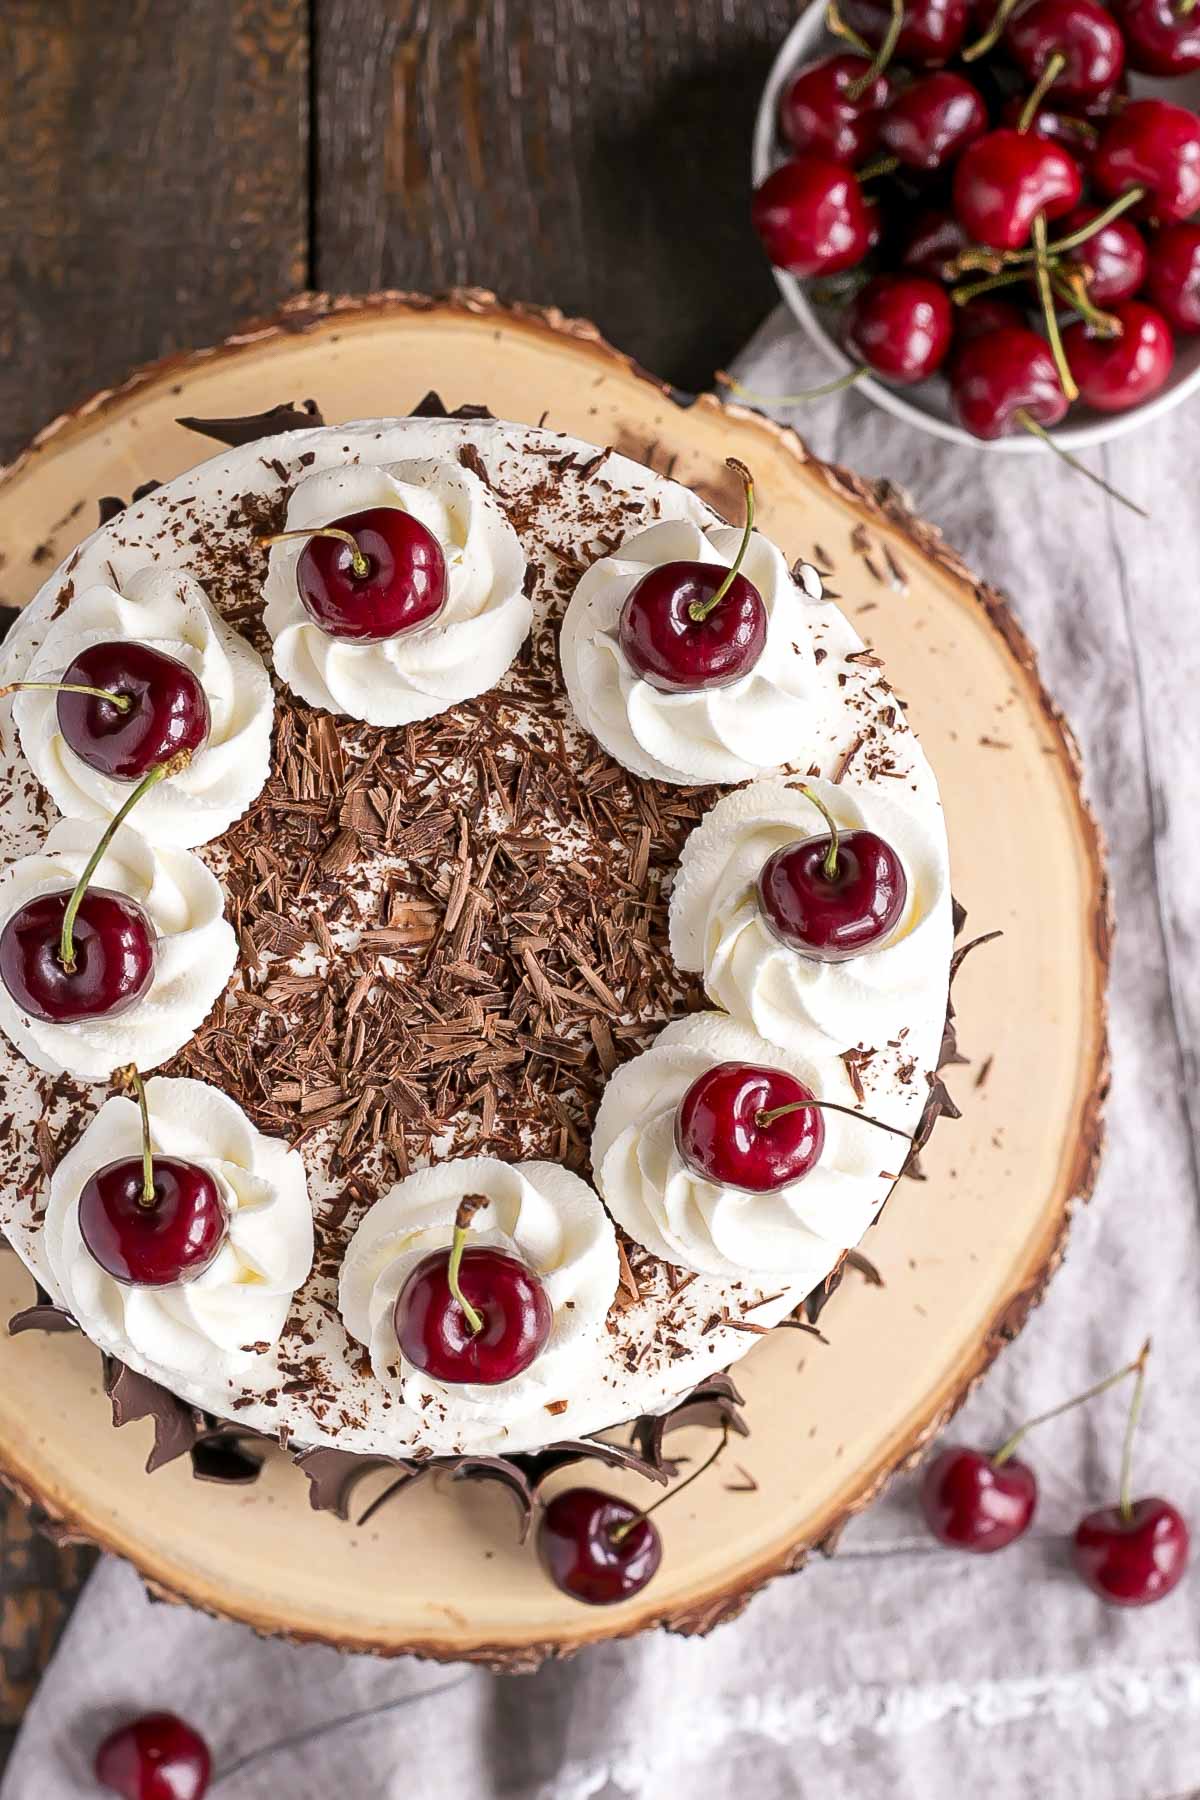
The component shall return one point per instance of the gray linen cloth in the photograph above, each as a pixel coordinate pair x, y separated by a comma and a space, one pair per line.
895, 1669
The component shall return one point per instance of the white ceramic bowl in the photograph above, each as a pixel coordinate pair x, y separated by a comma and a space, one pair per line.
928, 405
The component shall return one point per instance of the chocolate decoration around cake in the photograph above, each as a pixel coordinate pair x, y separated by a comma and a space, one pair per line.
248, 428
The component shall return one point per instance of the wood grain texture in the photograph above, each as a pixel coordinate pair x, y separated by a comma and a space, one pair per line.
593, 154
38, 1582
153, 184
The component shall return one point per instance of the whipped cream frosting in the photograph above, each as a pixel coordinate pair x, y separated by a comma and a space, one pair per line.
537, 1211
462, 652
196, 951
704, 1225
721, 734
795, 1001
169, 610
223, 1322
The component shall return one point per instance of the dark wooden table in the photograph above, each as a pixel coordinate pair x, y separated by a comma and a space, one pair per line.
169, 170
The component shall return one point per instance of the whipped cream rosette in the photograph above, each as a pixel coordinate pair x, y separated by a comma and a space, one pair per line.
169, 610
794, 1000
460, 653
720, 734
195, 950
218, 1325
537, 1212
791, 1235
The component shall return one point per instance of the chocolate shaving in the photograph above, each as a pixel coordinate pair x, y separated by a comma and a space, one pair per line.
434, 407
713, 1402
251, 426
177, 1426
43, 1315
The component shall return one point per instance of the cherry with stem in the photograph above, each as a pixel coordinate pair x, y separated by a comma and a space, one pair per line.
122, 702
162, 772
836, 386
882, 56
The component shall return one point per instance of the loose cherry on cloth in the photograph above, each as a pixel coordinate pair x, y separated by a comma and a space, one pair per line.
472, 1315
1152, 146
124, 707
1115, 373
901, 325
1173, 278
813, 217
1079, 36
157, 1757
1135, 1552
821, 112
371, 576
931, 122
833, 896
151, 1221
688, 626
1003, 181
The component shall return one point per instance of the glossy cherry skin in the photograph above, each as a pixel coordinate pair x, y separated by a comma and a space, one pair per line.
984, 314
931, 33
993, 378
1083, 32
1116, 373
1070, 129
1002, 181
1160, 39
157, 1757
169, 710
1155, 145
833, 920
404, 587
678, 654
575, 1542
817, 113
970, 1504
152, 1246
1134, 1561
436, 1337
931, 244
901, 326
718, 1135
116, 948
812, 217
1173, 278
929, 123
1116, 256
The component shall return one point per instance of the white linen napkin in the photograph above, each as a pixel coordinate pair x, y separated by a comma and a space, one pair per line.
897, 1669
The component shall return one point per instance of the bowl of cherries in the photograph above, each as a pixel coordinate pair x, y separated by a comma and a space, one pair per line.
987, 212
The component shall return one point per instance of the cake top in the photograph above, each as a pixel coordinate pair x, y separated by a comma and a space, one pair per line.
442, 936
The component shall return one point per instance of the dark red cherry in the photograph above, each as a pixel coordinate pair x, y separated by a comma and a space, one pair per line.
597, 1548
997, 378
152, 1242
818, 113
435, 1333
721, 1135
929, 123
1083, 33
115, 950
394, 582
930, 35
167, 710
1173, 280
833, 917
1115, 373
812, 217
1161, 37
931, 244
1066, 125
984, 314
900, 325
972, 1503
1154, 145
1133, 1558
157, 1757
1115, 256
1004, 180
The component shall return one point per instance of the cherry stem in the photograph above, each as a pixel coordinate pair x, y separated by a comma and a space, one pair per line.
1046, 80
991, 36
122, 702
1029, 423
1121, 204
66, 942
835, 24
829, 867
881, 58
130, 1080
699, 610
468, 1206
1073, 289
764, 1119
358, 561
1101, 1387
1135, 1413
1045, 291
816, 393
961, 295
619, 1533
1185, 9
879, 165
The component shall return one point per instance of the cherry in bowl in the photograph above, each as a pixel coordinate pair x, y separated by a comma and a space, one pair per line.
930, 122
1003, 181
901, 326
833, 107
813, 217
1006, 381
1173, 278
1152, 146
1075, 43
1114, 373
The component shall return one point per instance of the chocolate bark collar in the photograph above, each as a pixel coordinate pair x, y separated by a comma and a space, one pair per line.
287, 416
43, 1315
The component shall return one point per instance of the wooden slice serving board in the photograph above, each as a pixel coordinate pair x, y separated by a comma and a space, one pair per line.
964, 1255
